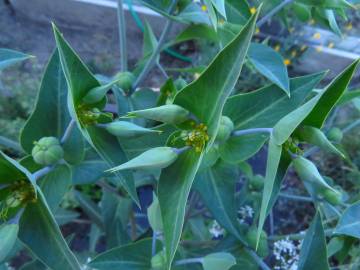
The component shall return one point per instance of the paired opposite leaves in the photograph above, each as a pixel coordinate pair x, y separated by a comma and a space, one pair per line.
80, 81
205, 98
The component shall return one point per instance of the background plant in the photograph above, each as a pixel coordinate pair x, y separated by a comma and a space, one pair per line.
94, 142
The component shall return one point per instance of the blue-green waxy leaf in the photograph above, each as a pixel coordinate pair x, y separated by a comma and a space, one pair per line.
205, 99
98, 93
10, 57
154, 215
206, 96
313, 254
349, 223
216, 186
220, 6
269, 104
155, 158
52, 120
115, 212
315, 111
216, 261
11, 171
80, 81
38, 229
124, 129
134, 256
273, 161
330, 97
316, 137
327, 3
270, 64
173, 190
55, 184
8, 236
237, 11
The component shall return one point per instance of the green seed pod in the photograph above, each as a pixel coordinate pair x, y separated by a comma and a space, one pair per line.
256, 182
335, 134
251, 238
158, 262
155, 158
316, 137
125, 80
47, 151
333, 197
171, 114
308, 172
126, 129
225, 129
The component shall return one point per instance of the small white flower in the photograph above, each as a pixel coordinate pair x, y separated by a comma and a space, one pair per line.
286, 253
245, 212
216, 230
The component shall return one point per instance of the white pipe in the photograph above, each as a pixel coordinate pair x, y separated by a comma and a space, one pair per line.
112, 4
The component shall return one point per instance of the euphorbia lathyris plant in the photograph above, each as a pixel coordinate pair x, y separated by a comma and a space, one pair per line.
189, 139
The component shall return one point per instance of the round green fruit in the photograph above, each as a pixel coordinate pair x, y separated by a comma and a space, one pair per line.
158, 262
47, 151
335, 134
125, 80
225, 129
256, 182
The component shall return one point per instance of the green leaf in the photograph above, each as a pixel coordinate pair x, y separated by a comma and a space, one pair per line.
216, 261
173, 190
270, 64
219, 6
154, 215
273, 161
90, 208
155, 158
328, 3
80, 81
216, 186
330, 96
55, 184
348, 96
237, 11
239, 148
269, 104
10, 57
194, 32
218, 79
205, 98
316, 110
115, 213
8, 236
349, 223
313, 254
11, 171
98, 93
134, 256
52, 120
38, 229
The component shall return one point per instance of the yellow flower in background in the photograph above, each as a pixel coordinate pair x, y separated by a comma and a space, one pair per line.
292, 29
277, 47
253, 10
349, 26
287, 62
317, 35
257, 30
311, 22
319, 48
331, 45
204, 8
294, 53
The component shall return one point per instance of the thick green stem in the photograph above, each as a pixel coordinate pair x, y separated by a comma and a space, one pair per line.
122, 35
